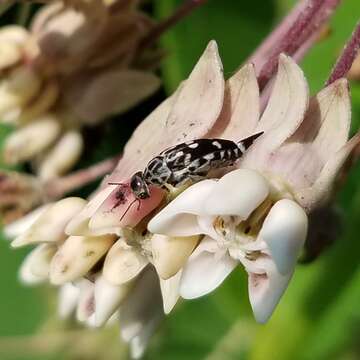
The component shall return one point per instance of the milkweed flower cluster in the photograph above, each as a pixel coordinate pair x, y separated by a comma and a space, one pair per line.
66, 72
110, 257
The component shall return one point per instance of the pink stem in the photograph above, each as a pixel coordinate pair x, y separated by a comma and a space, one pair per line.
58, 187
308, 21
260, 55
347, 57
185, 9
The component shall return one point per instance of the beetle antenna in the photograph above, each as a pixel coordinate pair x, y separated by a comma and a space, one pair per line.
128, 208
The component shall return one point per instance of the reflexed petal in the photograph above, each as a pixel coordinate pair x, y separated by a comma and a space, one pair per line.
50, 225
170, 291
62, 157
141, 305
204, 272
242, 103
199, 102
67, 300
123, 263
179, 217
20, 226
153, 124
266, 288
79, 223
108, 298
237, 193
284, 112
126, 210
77, 256
171, 253
322, 189
284, 231
332, 109
25, 143
35, 267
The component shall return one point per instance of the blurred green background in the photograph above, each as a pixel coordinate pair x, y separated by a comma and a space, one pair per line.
319, 316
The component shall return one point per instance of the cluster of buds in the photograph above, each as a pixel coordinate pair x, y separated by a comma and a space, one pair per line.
110, 257
79, 63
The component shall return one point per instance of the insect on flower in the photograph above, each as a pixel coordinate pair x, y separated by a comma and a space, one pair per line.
188, 161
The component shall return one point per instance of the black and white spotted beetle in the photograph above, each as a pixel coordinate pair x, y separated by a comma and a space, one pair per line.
190, 160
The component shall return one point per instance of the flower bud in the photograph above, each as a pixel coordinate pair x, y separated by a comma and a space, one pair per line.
49, 227
62, 157
77, 256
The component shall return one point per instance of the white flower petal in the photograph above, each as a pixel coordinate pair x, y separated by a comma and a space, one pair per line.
170, 291
123, 263
108, 298
35, 268
79, 223
237, 193
86, 301
179, 218
77, 256
171, 253
204, 272
67, 300
266, 288
50, 225
284, 231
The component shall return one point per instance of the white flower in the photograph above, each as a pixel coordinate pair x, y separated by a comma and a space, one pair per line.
243, 222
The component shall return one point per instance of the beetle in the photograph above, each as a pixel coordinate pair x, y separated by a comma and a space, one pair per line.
188, 161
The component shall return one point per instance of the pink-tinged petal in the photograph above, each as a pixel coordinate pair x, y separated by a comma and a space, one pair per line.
199, 102
108, 298
204, 271
67, 300
123, 263
137, 152
239, 193
320, 192
121, 208
171, 253
142, 305
331, 110
79, 225
241, 104
179, 217
284, 231
86, 301
266, 288
284, 112
170, 291
188, 114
